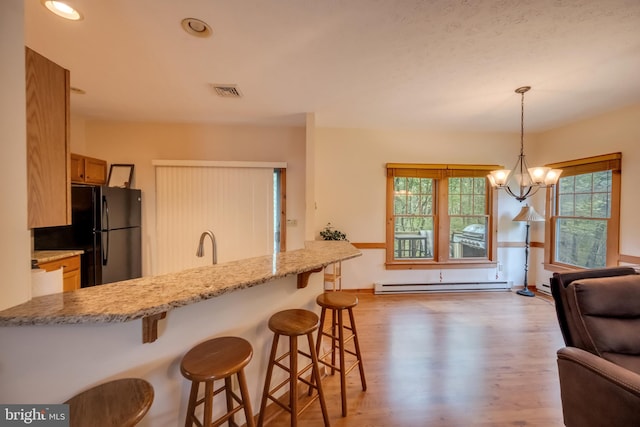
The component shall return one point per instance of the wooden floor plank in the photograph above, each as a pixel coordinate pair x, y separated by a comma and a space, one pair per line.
450, 360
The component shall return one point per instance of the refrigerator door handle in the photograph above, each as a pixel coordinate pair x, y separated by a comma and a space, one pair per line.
104, 248
105, 212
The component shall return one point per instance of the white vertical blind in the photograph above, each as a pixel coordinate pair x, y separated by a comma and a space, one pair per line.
235, 203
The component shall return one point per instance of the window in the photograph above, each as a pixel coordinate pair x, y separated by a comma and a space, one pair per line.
413, 217
468, 217
584, 207
279, 210
439, 215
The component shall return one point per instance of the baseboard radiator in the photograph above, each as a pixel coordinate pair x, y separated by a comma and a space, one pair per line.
421, 288
544, 287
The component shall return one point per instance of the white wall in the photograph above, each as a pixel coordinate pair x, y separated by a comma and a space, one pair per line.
347, 188
351, 193
15, 256
350, 187
310, 177
140, 143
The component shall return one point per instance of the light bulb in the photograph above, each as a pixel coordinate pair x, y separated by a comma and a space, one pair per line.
62, 9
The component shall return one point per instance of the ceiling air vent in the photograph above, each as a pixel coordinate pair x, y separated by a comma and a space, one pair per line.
227, 91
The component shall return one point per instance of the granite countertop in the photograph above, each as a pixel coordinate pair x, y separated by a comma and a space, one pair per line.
51, 255
153, 296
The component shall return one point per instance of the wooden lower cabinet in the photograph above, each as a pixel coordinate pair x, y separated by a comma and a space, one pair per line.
70, 271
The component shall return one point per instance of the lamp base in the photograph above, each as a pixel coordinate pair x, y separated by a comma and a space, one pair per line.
525, 292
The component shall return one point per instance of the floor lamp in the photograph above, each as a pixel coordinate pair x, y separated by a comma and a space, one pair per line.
527, 215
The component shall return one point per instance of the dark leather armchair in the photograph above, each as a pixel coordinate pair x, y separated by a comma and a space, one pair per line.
599, 316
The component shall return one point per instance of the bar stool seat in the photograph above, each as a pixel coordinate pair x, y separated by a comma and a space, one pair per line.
293, 323
217, 359
122, 402
337, 302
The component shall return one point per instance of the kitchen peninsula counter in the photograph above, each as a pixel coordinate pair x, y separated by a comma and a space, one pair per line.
150, 298
51, 255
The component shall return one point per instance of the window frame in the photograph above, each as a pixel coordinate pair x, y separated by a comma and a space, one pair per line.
281, 223
601, 163
440, 173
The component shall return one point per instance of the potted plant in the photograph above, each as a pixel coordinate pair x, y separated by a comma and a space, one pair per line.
330, 233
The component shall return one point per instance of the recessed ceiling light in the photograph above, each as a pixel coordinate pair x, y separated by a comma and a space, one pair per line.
62, 9
196, 27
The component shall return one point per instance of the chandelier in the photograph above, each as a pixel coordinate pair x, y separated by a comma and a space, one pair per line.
522, 181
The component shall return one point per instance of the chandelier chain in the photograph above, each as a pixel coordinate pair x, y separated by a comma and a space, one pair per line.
522, 124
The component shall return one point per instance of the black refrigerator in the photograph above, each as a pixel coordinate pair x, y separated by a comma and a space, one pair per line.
106, 225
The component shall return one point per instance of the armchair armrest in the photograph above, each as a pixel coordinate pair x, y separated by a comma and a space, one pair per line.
596, 392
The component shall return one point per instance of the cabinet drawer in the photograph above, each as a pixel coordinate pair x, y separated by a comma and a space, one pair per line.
67, 264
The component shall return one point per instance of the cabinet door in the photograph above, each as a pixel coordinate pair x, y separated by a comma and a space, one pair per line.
48, 175
70, 271
70, 280
95, 171
77, 168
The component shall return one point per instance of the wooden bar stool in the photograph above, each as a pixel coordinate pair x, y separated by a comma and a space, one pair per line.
217, 359
293, 323
122, 402
337, 302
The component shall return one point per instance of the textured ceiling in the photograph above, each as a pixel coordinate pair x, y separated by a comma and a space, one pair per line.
414, 64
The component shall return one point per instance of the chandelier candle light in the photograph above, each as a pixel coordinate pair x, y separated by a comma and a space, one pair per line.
522, 181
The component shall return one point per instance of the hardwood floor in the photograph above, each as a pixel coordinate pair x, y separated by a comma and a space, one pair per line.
450, 359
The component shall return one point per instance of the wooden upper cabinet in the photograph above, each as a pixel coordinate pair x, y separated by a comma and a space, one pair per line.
87, 170
95, 171
77, 168
48, 174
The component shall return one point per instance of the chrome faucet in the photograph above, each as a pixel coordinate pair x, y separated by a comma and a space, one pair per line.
200, 251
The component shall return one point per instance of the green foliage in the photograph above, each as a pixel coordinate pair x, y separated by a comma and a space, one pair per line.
584, 208
413, 204
414, 211
582, 242
329, 233
414, 200
587, 195
467, 196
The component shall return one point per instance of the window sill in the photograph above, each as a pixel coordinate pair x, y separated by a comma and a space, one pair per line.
561, 268
439, 265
